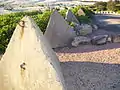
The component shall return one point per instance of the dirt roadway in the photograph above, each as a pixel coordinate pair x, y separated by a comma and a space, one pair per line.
91, 70
108, 22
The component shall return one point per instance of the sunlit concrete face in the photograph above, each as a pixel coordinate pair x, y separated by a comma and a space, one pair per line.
29, 62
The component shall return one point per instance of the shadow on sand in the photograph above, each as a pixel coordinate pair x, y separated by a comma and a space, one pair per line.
91, 75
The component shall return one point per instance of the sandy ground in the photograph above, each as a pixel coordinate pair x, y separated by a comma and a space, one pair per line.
91, 67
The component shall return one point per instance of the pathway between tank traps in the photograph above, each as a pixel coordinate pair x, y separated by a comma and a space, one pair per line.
97, 70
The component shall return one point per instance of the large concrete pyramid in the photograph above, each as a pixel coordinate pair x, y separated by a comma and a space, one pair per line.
58, 32
29, 62
70, 17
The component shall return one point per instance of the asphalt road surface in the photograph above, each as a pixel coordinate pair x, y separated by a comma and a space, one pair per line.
108, 22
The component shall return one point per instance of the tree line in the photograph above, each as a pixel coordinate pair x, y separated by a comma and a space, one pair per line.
106, 6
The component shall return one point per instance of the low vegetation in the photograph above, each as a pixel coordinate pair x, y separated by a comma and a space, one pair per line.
8, 23
83, 19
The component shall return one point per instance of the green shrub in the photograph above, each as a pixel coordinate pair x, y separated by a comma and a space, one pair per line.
117, 7
75, 10
118, 11
100, 6
63, 12
88, 12
43, 20
84, 19
111, 6
8, 23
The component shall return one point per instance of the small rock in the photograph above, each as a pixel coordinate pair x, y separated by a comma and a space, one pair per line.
77, 26
116, 38
86, 29
99, 40
109, 39
77, 29
80, 40
95, 27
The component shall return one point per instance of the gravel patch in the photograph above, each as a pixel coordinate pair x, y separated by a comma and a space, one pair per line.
91, 67
91, 76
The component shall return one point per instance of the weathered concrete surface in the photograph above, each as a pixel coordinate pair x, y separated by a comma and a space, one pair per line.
29, 62
70, 17
58, 32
